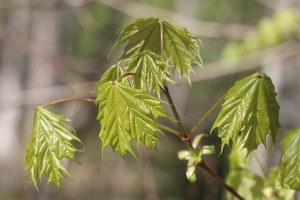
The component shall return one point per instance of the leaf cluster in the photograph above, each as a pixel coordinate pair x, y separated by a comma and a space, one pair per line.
251, 185
129, 105
127, 109
174, 43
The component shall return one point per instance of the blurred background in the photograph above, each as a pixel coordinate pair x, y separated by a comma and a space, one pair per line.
57, 49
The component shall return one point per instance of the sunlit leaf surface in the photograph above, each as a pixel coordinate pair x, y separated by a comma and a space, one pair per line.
151, 71
251, 111
173, 42
111, 74
51, 140
127, 114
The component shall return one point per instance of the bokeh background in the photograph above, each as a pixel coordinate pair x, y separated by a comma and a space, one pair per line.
57, 49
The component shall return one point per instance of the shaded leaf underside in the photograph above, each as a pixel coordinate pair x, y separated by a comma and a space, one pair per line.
289, 166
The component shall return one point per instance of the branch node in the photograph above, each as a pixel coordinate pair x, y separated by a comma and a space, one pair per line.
185, 137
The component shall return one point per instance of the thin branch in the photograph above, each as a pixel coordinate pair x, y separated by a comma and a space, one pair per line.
161, 38
220, 180
166, 89
175, 113
169, 129
199, 123
39, 95
123, 76
68, 100
182, 134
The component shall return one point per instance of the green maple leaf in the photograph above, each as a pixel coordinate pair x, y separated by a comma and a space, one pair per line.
179, 46
246, 183
141, 34
250, 185
289, 167
237, 159
240, 177
272, 189
127, 114
251, 111
151, 71
111, 74
49, 143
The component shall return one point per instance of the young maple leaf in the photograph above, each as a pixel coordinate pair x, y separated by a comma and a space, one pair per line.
251, 111
174, 43
49, 143
289, 166
127, 114
150, 71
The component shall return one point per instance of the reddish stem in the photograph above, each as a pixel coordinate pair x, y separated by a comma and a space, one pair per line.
220, 180
69, 100
123, 76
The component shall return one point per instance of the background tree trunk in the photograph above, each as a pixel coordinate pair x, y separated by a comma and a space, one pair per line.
12, 70
42, 72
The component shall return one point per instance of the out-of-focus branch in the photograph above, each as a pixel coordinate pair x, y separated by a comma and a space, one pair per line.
137, 9
39, 96
19, 5
264, 58
277, 5
213, 70
30, 50
267, 3
198, 27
